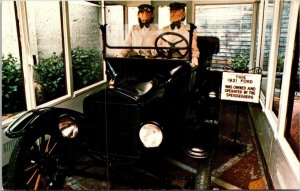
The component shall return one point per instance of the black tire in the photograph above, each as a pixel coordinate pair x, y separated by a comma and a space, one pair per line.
203, 176
36, 162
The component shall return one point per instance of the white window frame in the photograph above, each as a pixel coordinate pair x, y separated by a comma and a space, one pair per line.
278, 125
65, 7
288, 152
27, 61
272, 64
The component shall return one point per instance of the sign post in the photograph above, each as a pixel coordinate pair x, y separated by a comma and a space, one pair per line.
240, 87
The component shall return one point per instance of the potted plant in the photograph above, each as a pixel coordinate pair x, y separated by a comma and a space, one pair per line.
240, 62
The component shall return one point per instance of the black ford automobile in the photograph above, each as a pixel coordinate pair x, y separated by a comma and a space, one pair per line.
149, 106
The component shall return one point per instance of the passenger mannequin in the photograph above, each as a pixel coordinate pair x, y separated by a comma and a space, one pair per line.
177, 16
143, 34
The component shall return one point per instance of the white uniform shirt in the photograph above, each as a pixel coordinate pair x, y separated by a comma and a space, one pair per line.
141, 37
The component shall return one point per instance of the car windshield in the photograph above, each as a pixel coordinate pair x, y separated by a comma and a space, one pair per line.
147, 42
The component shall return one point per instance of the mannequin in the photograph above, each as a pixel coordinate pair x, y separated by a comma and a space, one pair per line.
143, 34
177, 16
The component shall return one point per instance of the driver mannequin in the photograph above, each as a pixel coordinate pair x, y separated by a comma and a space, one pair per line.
143, 34
177, 16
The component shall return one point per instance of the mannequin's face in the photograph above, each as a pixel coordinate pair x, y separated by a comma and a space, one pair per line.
145, 16
176, 15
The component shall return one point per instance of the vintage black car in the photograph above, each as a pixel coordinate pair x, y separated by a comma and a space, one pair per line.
149, 106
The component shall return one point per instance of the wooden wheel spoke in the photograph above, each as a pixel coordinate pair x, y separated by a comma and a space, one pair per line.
31, 178
44, 182
52, 148
47, 147
30, 168
37, 182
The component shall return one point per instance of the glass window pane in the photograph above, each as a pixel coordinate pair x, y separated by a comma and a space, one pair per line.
85, 44
268, 34
292, 133
116, 28
132, 16
45, 33
164, 16
281, 54
13, 95
232, 24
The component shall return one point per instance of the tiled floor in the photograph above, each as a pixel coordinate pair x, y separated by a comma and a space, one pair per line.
235, 166
244, 169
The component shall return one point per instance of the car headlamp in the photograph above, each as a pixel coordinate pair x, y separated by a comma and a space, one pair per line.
151, 135
68, 127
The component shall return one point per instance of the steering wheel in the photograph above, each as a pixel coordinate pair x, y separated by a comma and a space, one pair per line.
168, 52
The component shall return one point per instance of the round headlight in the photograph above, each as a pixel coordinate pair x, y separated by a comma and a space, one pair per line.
68, 127
151, 135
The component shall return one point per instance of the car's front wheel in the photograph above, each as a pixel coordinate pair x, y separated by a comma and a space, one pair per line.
37, 163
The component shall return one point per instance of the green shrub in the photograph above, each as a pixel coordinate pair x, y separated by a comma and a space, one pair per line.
50, 74
13, 98
239, 62
280, 64
86, 67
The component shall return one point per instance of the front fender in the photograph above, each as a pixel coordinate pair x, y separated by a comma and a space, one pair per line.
47, 116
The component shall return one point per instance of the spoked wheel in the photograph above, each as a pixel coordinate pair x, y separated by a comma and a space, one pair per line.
36, 163
203, 176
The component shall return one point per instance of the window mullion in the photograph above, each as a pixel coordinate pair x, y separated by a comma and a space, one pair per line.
27, 60
287, 67
261, 28
253, 35
67, 48
263, 31
273, 56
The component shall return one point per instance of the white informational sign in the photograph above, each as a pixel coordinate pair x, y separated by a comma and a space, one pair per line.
242, 87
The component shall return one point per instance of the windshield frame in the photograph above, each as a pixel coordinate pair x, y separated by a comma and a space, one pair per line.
106, 46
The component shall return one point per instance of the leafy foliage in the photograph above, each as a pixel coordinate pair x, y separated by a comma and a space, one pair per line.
51, 76
86, 67
280, 64
240, 62
12, 85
